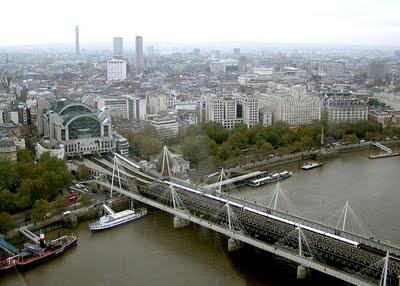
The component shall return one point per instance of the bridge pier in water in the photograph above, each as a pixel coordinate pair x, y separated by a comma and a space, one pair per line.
180, 222
234, 244
302, 272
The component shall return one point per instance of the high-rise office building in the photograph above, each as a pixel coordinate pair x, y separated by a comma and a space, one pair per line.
236, 52
118, 46
139, 52
77, 51
229, 110
116, 69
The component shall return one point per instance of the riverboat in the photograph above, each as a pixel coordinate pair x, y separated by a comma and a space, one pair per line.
113, 219
34, 254
270, 178
310, 165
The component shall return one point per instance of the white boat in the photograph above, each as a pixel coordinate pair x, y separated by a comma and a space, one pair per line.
267, 179
113, 219
310, 165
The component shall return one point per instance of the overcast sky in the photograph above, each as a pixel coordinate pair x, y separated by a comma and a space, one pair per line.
365, 22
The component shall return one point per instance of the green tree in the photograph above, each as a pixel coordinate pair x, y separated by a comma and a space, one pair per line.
40, 209
282, 150
60, 205
82, 172
369, 136
216, 132
54, 176
6, 222
9, 176
45, 156
24, 156
297, 146
194, 130
85, 199
7, 201
352, 138
237, 140
264, 147
256, 133
145, 143
198, 148
23, 202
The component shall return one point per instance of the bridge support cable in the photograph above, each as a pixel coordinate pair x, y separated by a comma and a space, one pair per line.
349, 221
297, 242
165, 162
300, 244
281, 202
303, 239
374, 270
116, 169
235, 226
234, 223
384, 276
224, 183
344, 216
222, 176
179, 206
176, 200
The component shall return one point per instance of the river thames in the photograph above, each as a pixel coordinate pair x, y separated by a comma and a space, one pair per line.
150, 252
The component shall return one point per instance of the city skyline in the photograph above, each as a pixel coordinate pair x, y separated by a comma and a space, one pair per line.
355, 22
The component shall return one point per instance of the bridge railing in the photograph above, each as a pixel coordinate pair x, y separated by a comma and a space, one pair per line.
381, 245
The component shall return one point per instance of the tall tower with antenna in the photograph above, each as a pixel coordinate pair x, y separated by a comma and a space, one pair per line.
77, 50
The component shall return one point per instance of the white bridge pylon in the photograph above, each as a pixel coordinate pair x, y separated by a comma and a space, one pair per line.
234, 225
116, 169
222, 176
176, 200
347, 215
280, 201
383, 281
165, 161
179, 206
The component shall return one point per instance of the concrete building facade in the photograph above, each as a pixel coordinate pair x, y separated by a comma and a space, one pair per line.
166, 127
229, 110
116, 70
345, 108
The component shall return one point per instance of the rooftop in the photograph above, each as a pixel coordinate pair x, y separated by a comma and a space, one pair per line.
7, 142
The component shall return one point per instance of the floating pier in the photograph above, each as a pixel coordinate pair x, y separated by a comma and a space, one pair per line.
389, 152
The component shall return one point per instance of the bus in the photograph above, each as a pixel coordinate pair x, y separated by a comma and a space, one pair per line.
71, 197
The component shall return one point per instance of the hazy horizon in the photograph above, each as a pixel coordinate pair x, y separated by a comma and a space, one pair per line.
309, 22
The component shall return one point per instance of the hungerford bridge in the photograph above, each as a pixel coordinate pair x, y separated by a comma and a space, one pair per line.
335, 251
